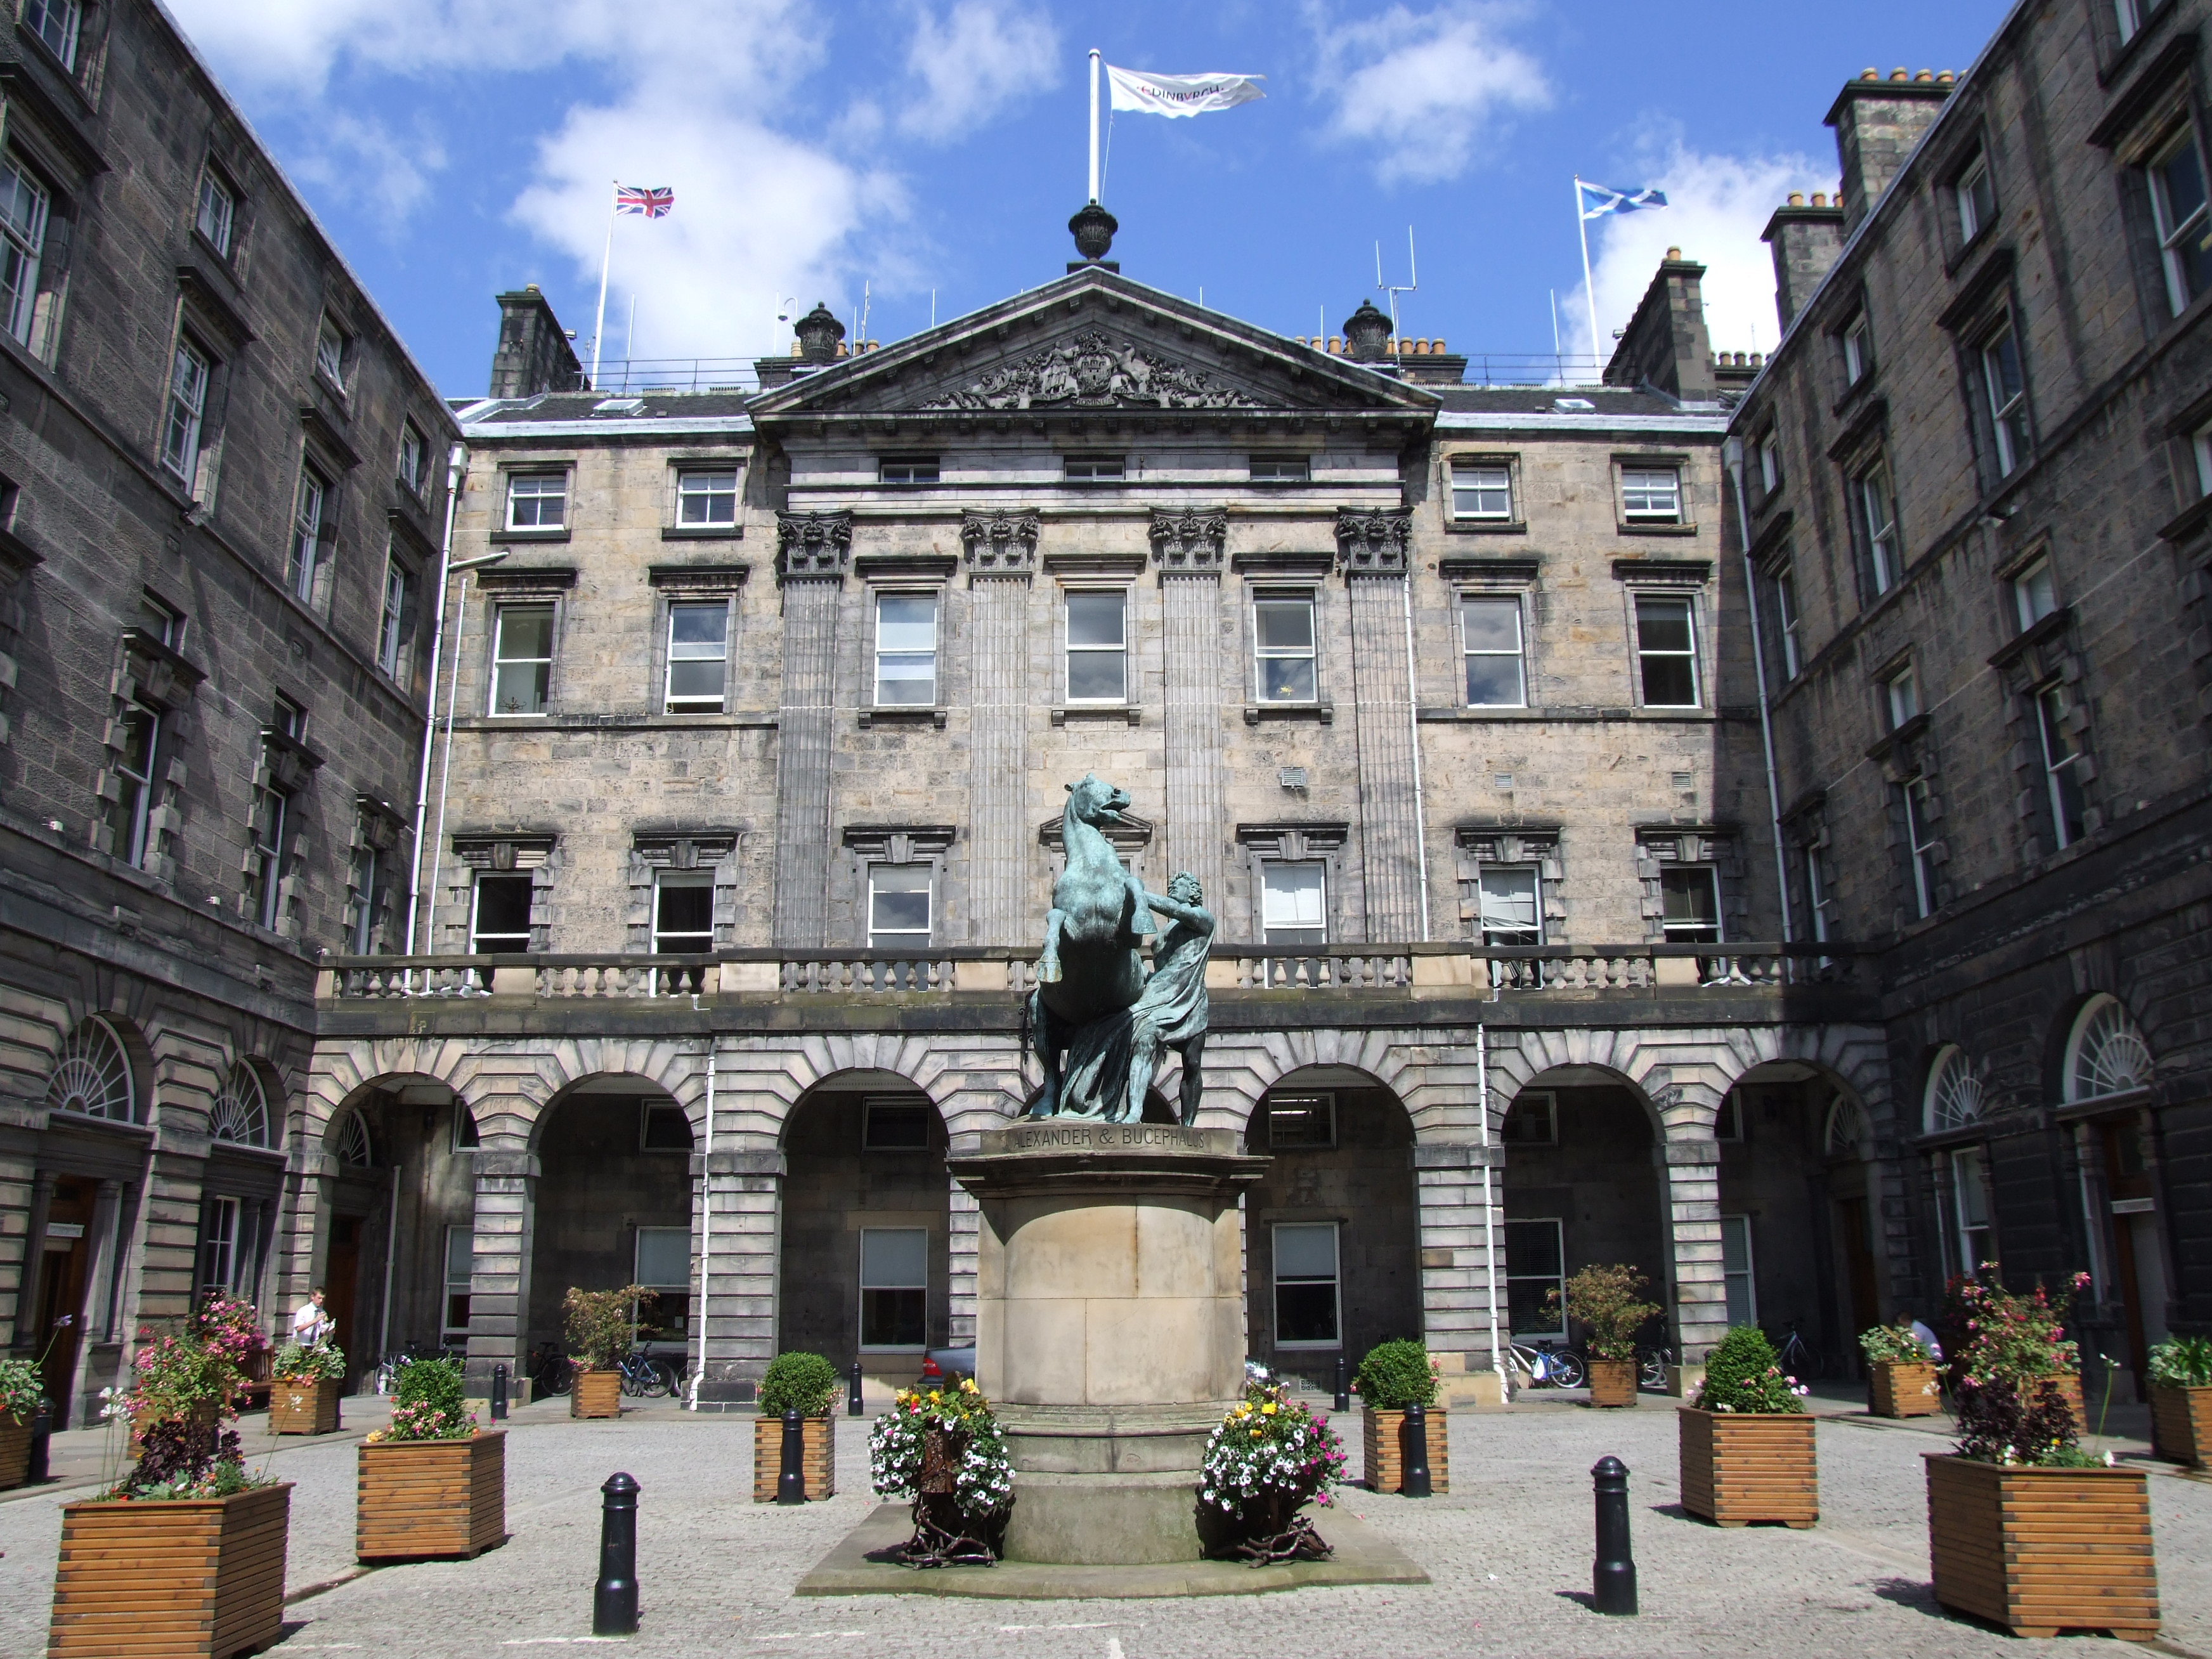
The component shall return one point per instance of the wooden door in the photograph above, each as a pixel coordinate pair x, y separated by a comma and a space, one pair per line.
341, 1277
1865, 1294
61, 1287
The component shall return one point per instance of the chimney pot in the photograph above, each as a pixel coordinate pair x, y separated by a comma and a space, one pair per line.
1797, 198
1945, 77
1367, 333
820, 335
1869, 74
1925, 75
1820, 200
1336, 344
1901, 73
1673, 253
1437, 344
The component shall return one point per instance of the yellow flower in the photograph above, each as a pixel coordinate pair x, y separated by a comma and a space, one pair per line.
934, 1396
966, 1385
1267, 1410
1255, 1434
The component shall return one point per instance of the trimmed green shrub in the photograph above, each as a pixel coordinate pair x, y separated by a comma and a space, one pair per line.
1397, 1375
805, 1382
428, 1403
2183, 1362
1742, 1375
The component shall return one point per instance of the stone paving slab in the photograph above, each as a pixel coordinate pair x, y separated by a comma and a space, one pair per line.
862, 1564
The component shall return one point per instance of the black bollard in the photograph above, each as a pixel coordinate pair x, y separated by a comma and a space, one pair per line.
42, 1439
1413, 1452
614, 1598
1612, 1580
499, 1394
1343, 1387
852, 1397
791, 1478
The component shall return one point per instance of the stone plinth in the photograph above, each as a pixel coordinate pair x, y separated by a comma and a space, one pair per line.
1109, 1323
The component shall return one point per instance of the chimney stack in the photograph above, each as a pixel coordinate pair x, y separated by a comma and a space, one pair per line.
533, 355
1877, 123
1805, 240
1665, 344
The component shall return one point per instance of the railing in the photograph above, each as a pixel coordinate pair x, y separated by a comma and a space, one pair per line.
1438, 968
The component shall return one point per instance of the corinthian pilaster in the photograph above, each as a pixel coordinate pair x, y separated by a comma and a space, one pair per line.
1001, 551
1371, 546
1186, 550
812, 551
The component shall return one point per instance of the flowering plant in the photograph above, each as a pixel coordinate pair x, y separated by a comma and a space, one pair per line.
1270, 1446
428, 1404
22, 1387
184, 1387
2004, 1360
898, 1443
602, 1326
318, 1362
2182, 1362
1893, 1345
1603, 1298
1742, 1375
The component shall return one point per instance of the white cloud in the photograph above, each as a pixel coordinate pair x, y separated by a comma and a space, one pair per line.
1421, 88
362, 160
1716, 205
974, 61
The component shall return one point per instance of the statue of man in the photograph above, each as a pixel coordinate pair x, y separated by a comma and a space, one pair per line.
1170, 1011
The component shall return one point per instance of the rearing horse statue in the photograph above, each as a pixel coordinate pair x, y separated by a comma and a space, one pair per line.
1089, 966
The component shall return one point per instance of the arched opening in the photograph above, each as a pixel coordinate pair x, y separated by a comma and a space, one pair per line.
1332, 1231
1800, 1212
241, 1187
2107, 1071
1581, 1187
866, 1256
613, 1206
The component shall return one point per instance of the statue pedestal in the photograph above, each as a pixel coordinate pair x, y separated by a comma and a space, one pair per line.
1109, 1327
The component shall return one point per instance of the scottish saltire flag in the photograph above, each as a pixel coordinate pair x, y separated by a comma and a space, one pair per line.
651, 201
1181, 94
1597, 201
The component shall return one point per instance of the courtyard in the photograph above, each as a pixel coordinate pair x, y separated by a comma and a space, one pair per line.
1508, 1551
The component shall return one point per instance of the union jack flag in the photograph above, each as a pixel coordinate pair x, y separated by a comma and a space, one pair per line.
652, 201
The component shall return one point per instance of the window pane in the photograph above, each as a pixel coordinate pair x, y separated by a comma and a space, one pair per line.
906, 621
1668, 658
898, 904
1689, 904
895, 1258
1491, 633
1095, 677
502, 920
1492, 624
1662, 624
1482, 492
1292, 895
684, 915
706, 498
1294, 1121
460, 1254
1306, 1251
663, 1256
1094, 619
1284, 624
537, 501
1287, 679
1509, 907
1650, 493
697, 630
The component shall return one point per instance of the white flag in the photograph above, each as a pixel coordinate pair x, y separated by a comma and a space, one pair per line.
1181, 94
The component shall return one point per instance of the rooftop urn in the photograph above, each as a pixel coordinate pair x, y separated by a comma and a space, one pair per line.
1093, 227
1367, 334
819, 335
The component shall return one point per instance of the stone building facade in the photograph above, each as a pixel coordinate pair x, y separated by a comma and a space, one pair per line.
222, 490
1977, 472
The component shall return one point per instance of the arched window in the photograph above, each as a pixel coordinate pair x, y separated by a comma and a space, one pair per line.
1847, 1131
94, 1075
1954, 1092
2107, 1054
351, 1143
240, 1112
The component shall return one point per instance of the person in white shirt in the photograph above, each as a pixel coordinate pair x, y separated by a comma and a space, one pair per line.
310, 1325
1928, 1339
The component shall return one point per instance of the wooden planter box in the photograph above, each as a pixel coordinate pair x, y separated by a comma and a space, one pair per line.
2040, 1551
202, 1577
15, 1451
305, 1407
1741, 1467
1903, 1387
420, 1500
818, 1467
2180, 1425
1380, 1442
596, 1393
1612, 1382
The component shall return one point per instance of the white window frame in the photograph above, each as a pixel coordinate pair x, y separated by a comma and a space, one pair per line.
1334, 1281
26, 203
1790, 622
694, 489
271, 816
2006, 403
477, 935
1493, 934
1120, 651
1969, 1171
672, 1297
1645, 500
690, 651
1645, 655
50, 18
2035, 591
1262, 655
1877, 514
1276, 932
862, 1270
1279, 469
361, 938
936, 601
1557, 1333
414, 453
2173, 231
137, 839
1858, 349
1919, 842
1482, 492
224, 1243
1769, 464
1745, 1276
214, 212
393, 616
689, 942
1518, 654
2128, 14
501, 613
306, 546
1818, 899
902, 939
909, 470
190, 370
2060, 757
451, 1286
1975, 214
1900, 697
539, 497
330, 353
1094, 469
1675, 933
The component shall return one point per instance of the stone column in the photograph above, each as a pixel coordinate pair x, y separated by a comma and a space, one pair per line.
963, 1220
28, 1311
1186, 550
1699, 1315
1461, 1226
1001, 555
499, 1270
744, 1189
813, 549
18, 1174
1373, 547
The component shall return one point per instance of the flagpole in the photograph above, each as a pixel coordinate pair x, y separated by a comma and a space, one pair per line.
1094, 124
599, 326
1590, 289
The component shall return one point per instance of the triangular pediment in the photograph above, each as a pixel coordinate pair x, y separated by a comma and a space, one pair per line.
1095, 342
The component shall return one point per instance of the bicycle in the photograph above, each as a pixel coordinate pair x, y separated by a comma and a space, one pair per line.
1800, 1358
643, 1375
1560, 1368
386, 1377
551, 1373
1651, 1365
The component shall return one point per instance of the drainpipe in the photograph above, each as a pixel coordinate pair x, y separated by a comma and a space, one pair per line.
706, 1223
1413, 732
1732, 455
457, 467
1489, 1217
391, 1253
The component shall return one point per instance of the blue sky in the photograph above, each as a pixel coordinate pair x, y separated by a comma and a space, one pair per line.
455, 148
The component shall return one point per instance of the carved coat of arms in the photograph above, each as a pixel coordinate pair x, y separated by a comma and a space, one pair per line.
1092, 370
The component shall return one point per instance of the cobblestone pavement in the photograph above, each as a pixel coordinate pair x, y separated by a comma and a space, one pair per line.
1510, 1551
